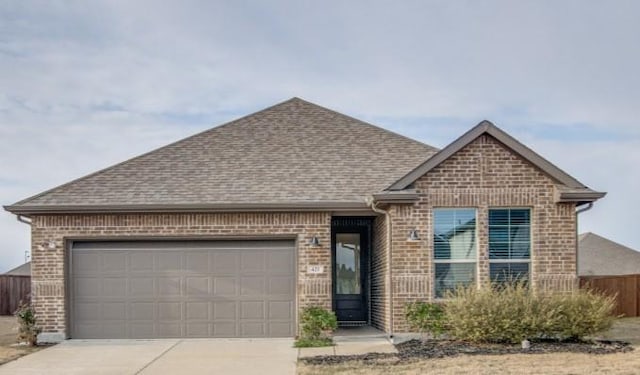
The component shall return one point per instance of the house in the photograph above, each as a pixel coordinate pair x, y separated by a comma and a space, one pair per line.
599, 256
21, 270
231, 232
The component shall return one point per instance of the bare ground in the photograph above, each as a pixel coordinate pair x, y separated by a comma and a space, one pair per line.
626, 329
8, 337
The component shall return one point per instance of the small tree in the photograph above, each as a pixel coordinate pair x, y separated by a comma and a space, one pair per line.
28, 328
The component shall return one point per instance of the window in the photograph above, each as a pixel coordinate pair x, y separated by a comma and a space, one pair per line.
509, 244
454, 243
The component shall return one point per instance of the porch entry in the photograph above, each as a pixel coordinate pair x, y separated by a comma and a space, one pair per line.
350, 244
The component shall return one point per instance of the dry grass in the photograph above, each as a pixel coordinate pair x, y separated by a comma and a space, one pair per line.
627, 329
556, 363
8, 335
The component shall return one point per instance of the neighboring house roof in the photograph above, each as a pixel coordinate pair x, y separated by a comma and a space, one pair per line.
570, 189
598, 256
294, 154
21, 270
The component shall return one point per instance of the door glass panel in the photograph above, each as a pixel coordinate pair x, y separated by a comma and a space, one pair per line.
347, 263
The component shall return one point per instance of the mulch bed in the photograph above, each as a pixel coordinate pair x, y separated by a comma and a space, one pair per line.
419, 349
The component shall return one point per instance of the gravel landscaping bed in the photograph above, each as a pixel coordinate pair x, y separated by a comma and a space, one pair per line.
418, 349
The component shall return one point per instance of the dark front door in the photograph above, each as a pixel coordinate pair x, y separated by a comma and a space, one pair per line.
350, 264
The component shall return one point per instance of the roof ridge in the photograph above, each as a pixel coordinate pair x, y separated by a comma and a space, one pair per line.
108, 168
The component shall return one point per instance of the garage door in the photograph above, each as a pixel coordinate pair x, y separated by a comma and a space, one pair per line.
172, 289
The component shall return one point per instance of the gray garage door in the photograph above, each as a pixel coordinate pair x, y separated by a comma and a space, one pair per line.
182, 289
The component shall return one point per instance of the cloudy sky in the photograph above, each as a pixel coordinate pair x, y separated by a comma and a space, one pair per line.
85, 84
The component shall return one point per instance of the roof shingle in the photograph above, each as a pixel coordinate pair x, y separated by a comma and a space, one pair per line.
293, 152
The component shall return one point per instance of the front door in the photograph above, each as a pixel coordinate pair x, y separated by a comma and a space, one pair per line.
350, 247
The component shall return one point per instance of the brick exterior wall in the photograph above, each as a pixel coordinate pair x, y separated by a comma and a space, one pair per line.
482, 175
49, 265
379, 274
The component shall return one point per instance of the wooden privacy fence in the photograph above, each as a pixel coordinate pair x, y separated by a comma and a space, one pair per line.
13, 289
627, 289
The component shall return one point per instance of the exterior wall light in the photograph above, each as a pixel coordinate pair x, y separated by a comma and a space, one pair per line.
413, 235
314, 241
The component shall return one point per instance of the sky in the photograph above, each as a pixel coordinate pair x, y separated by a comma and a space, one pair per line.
84, 85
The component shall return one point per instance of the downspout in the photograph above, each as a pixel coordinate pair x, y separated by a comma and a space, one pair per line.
579, 211
371, 202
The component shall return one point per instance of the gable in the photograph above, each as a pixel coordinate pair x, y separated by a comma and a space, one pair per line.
485, 163
569, 189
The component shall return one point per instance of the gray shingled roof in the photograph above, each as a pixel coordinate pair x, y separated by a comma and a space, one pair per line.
21, 270
599, 256
292, 153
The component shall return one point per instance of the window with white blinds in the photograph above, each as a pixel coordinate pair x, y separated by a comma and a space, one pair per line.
509, 244
455, 248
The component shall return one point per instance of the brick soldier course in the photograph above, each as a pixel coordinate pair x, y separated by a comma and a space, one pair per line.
284, 173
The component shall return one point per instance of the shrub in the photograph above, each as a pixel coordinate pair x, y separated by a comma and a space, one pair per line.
514, 312
506, 314
28, 329
426, 317
317, 324
581, 314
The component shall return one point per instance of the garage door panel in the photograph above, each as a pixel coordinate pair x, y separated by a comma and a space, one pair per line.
169, 261
280, 310
183, 289
141, 262
280, 262
252, 310
87, 287
252, 286
252, 329
198, 310
279, 329
141, 287
225, 310
198, 286
114, 262
252, 261
197, 262
114, 311
169, 330
224, 329
169, 286
86, 263
142, 330
142, 310
198, 330
225, 262
168, 311
280, 286
114, 287
225, 286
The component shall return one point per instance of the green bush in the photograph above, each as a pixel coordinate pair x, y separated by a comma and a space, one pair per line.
28, 328
316, 324
426, 318
514, 312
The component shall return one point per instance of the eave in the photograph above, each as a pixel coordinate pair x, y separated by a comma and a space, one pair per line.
187, 208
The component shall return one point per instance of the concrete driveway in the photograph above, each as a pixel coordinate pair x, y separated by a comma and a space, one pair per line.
189, 356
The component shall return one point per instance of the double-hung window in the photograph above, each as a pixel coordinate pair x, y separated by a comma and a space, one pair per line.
455, 248
509, 244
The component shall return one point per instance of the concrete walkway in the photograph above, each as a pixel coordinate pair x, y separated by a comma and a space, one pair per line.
193, 356
351, 345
